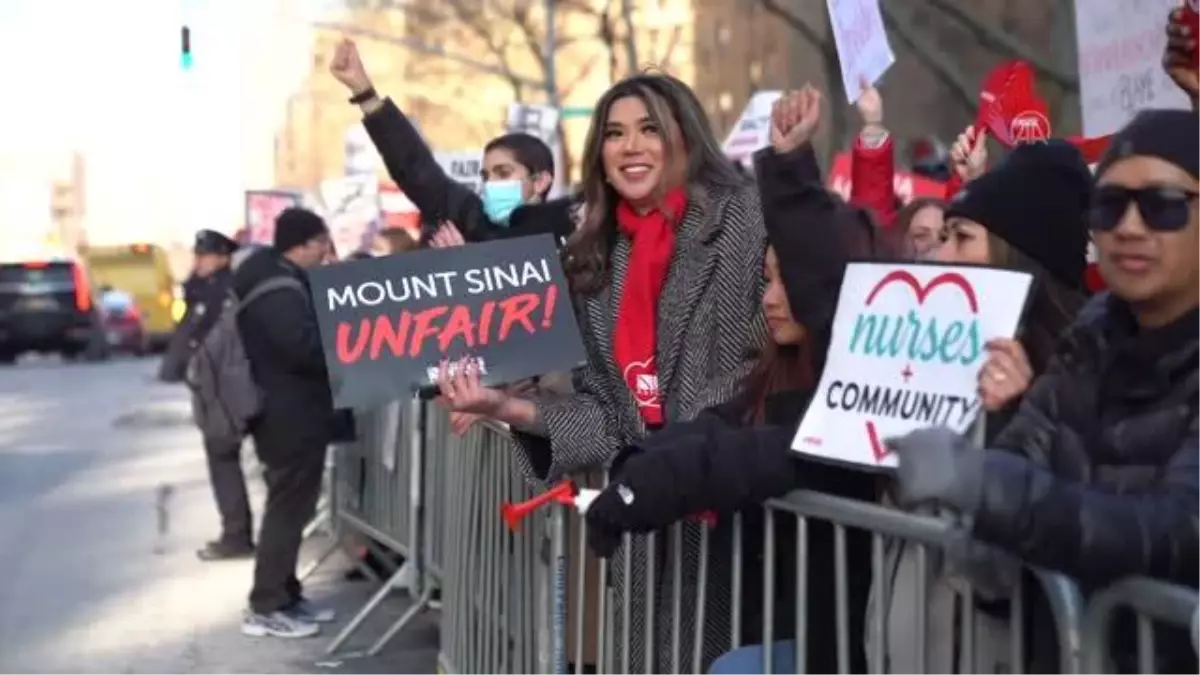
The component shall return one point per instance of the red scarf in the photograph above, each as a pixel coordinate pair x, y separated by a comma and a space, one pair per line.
635, 336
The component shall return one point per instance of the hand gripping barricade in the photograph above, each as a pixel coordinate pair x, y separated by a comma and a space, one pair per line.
520, 591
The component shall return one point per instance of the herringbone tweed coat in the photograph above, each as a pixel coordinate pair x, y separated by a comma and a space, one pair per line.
710, 331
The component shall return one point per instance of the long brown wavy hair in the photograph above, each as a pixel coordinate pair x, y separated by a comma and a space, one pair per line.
666, 99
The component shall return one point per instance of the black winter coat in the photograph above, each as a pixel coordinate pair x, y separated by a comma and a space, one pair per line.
411, 165
1099, 476
282, 341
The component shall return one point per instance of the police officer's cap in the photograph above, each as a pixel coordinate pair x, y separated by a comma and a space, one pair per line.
213, 242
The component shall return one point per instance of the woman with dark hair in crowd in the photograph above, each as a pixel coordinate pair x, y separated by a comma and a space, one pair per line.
1027, 214
918, 227
518, 171
662, 267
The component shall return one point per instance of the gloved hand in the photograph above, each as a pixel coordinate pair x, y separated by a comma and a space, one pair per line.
992, 572
938, 465
608, 518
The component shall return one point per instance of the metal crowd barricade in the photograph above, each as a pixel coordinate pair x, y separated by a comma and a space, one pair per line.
379, 493
681, 641
1151, 601
495, 610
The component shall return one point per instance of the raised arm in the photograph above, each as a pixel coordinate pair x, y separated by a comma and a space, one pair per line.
408, 159
872, 160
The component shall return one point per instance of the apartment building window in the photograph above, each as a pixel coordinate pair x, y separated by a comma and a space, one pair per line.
726, 101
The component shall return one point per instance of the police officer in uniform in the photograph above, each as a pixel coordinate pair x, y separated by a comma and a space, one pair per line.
208, 294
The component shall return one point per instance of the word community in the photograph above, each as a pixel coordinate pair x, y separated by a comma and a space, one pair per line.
440, 285
921, 407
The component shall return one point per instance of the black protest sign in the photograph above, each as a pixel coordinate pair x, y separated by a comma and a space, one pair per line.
386, 323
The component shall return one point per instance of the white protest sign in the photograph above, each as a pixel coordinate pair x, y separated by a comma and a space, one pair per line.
1121, 45
906, 349
351, 207
862, 43
464, 166
753, 129
541, 121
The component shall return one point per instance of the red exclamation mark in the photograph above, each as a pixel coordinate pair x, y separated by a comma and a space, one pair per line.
551, 296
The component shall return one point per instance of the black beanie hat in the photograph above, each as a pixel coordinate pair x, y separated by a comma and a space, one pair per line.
296, 226
1037, 201
1170, 135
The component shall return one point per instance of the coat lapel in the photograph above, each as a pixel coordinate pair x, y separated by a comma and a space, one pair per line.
603, 308
691, 265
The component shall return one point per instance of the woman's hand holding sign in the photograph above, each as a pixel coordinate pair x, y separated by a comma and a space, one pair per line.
462, 391
1006, 374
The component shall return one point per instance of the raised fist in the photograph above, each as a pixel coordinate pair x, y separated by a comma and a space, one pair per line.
1179, 58
794, 119
869, 104
969, 155
348, 68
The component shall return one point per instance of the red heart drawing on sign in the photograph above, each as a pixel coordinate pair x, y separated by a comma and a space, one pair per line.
922, 292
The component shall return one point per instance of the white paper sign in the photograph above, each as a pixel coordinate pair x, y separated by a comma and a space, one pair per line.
541, 121
753, 129
1121, 46
351, 207
862, 43
463, 166
906, 349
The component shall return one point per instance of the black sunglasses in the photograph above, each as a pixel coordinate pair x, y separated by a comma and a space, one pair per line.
1163, 209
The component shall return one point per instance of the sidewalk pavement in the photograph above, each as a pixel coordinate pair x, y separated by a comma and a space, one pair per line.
93, 578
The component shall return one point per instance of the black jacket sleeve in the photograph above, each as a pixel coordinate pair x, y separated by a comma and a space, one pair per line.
812, 230
285, 319
411, 165
722, 470
1086, 531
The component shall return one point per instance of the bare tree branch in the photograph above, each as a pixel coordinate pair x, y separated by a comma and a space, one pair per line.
425, 48
938, 61
672, 43
631, 53
826, 46
477, 22
1001, 41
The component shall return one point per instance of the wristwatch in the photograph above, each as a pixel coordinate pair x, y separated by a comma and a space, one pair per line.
363, 96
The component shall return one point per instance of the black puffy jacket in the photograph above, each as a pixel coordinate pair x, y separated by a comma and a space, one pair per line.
1098, 475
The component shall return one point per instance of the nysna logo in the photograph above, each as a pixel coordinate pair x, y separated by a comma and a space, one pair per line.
911, 338
643, 382
1030, 126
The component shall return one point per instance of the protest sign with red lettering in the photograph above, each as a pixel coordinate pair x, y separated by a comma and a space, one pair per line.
905, 353
386, 323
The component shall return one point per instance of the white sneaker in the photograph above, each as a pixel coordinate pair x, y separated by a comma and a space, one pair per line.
277, 624
304, 610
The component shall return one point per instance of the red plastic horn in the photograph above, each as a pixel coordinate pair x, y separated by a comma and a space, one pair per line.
513, 514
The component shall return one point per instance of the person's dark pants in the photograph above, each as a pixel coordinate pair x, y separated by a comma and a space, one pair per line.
229, 490
292, 470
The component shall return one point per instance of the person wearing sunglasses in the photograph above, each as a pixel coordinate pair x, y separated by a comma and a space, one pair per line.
1097, 475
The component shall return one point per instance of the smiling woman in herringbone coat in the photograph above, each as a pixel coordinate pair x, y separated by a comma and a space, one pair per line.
666, 269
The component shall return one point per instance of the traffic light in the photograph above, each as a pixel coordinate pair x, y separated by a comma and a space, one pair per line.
185, 52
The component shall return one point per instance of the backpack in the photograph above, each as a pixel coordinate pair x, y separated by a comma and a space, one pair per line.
225, 397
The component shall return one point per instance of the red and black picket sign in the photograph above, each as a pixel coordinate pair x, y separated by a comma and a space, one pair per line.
387, 323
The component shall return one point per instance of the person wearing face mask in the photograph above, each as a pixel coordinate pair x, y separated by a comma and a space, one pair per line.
518, 172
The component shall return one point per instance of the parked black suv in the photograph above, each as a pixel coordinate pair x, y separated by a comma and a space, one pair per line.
49, 306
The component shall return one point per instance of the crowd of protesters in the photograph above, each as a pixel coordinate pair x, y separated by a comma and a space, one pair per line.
705, 300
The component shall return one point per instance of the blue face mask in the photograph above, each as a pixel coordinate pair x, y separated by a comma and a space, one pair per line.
500, 199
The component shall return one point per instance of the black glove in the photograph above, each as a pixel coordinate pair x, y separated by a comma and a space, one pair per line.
611, 514
940, 466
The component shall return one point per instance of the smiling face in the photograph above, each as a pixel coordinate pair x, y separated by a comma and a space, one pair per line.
642, 160
1147, 239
